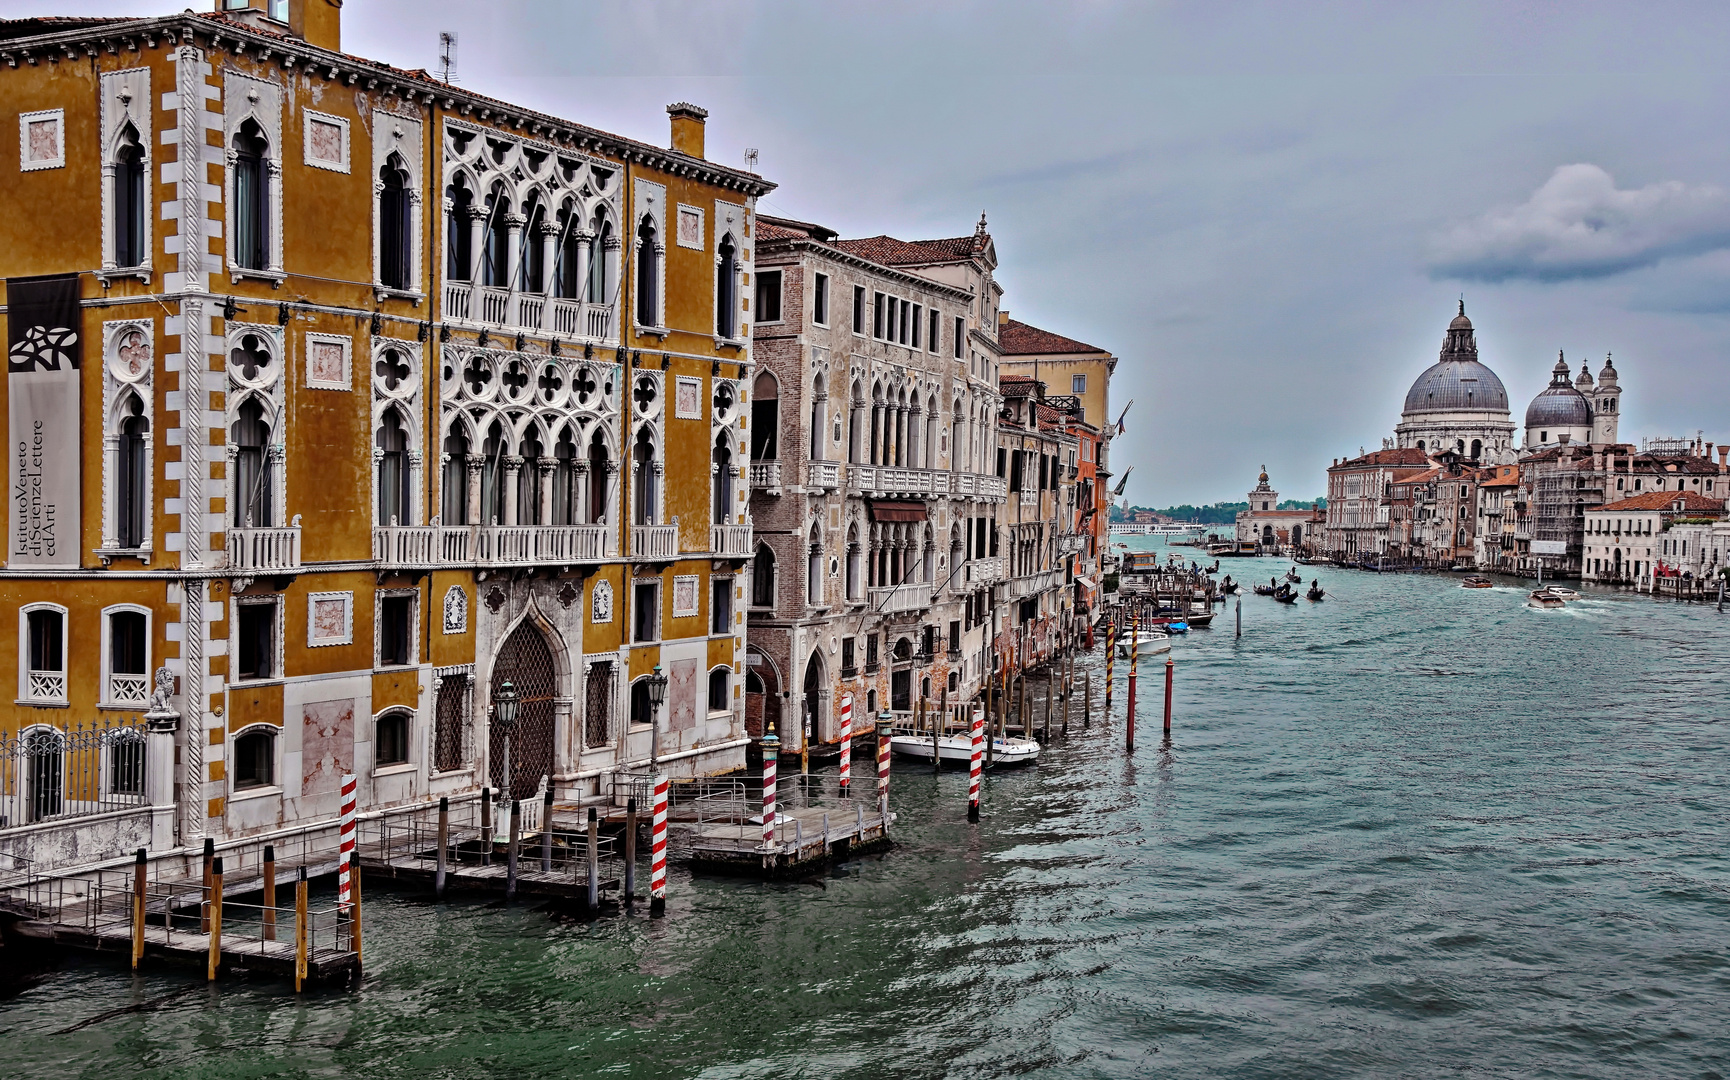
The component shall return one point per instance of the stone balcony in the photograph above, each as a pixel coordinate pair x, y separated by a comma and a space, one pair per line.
730, 541
766, 477
485, 305
983, 571
264, 550
490, 545
823, 475
655, 541
901, 599
1032, 584
921, 483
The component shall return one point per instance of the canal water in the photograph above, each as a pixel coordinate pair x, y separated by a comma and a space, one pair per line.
1414, 830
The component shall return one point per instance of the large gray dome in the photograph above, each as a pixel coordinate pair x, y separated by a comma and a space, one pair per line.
1457, 382
1559, 405
1454, 385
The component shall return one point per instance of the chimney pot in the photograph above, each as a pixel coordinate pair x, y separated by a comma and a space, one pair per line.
688, 121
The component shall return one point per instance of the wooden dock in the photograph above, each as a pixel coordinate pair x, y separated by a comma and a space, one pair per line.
191, 948
805, 837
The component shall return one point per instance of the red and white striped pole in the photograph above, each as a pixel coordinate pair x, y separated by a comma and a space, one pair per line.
771, 751
884, 723
977, 764
346, 851
846, 742
658, 851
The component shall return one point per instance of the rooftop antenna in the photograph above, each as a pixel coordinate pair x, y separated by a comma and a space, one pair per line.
750, 159
447, 56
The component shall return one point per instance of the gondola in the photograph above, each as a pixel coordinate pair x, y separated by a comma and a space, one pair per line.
1315, 593
1286, 595
1265, 590
1294, 577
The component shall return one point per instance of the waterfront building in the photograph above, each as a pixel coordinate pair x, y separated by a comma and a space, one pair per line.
1497, 488
1037, 450
380, 393
1628, 540
1270, 527
1457, 403
1358, 514
874, 490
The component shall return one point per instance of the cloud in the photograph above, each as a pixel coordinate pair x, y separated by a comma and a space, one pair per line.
1579, 224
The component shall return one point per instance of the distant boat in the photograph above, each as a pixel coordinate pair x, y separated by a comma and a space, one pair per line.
1286, 595
957, 748
1294, 577
1148, 644
1565, 594
1477, 582
1315, 593
1543, 598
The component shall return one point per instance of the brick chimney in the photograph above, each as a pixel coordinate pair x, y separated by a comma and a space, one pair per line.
687, 127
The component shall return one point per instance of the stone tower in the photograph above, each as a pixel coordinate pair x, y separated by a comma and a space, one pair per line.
1606, 404
1263, 497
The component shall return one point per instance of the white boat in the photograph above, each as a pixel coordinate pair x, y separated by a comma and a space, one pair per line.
957, 748
1558, 591
1543, 598
1150, 644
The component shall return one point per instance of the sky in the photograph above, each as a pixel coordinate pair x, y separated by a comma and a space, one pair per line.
1268, 211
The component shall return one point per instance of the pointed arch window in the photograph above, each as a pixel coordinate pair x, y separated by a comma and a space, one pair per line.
459, 252
855, 562
568, 269
565, 495
727, 289
495, 258
648, 274
763, 577
529, 484
814, 568
251, 491
492, 475
129, 203
598, 260
251, 197
599, 479
395, 227
531, 253
393, 471
644, 495
454, 483
723, 481
765, 417
132, 477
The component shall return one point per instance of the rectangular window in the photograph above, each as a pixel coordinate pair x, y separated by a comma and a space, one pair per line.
646, 611
847, 658
395, 631
960, 336
877, 316
768, 296
1002, 459
820, 300
1017, 464
871, 654
128, 658
890, 305
903, 311
859, 309
917, 320
256, 629
954, 637
1078, 384
936, 323
720, 605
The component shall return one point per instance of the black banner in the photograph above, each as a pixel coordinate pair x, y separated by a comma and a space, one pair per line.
42, 327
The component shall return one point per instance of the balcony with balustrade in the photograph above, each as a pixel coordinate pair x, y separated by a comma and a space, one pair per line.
535, 313
655, 541
264, 551
766, 477
730, 541
985, 570
426, 546
823, 475
901, 599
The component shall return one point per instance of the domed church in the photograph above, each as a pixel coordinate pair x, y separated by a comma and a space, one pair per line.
1574, 411
1458, 404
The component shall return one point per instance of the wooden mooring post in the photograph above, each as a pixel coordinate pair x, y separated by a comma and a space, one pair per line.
300, 930
630, 851
547, 830
936, 735
594, 860
140, 879
1087, 700
511, 850
269, 896
444, 842
215, 918
354, 910
1170, 669
204, 910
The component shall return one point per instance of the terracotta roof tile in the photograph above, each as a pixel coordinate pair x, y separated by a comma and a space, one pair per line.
892, 252
1020, 339
1664, 500
1405, 455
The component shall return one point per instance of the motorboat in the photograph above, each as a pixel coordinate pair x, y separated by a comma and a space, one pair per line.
1477, 581
1200, 618
956, 748
1149, 643
1565, 594
1543, 598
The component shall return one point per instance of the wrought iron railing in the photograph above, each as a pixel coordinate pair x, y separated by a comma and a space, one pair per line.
50, 773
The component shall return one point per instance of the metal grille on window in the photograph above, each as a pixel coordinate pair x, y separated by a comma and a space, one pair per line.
598, 708
451, 721
527, 662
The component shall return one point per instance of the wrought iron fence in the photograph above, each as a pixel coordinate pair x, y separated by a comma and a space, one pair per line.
50, 773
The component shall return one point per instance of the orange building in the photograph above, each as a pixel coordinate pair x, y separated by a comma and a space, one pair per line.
345, 395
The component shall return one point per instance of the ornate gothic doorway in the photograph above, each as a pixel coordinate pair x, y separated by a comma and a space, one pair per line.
527, 661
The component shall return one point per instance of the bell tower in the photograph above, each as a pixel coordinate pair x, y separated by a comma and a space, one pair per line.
1606, 404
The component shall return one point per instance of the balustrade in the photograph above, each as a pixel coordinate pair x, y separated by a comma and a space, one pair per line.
899, 599
733, 541
264, 549
767, 476
654, 541
489, 545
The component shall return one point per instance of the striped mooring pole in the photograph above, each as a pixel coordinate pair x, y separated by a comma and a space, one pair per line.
346, 851
658, 851
771, 751
885, 723
1134, 651
846, 742
977, 763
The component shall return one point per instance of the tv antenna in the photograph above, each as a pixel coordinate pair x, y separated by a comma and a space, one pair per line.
750, 159
447, 56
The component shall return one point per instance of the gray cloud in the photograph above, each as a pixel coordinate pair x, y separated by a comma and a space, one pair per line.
1579, 224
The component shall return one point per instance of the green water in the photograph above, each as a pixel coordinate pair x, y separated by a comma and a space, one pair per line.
1412, 831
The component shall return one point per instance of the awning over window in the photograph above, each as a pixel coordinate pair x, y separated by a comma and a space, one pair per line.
887, 510
1085, 582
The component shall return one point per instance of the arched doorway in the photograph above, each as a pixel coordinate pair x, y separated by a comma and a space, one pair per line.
1267, 535
527, 661
1616, 565
762, 694
811, 720
1297, 535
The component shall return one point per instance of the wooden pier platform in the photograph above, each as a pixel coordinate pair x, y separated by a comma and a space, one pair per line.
190, 948
801, 840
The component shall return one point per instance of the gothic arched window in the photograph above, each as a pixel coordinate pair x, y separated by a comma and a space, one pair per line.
643, 466
251, 490
395, 228
454, 496
393, 478
129, 204
763, 577
727, 289
132, 479
648, 274
459, 253
251, 197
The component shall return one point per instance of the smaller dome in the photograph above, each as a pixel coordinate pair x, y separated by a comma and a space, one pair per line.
1583, 381
1460, 321
1263, 476
1559, 405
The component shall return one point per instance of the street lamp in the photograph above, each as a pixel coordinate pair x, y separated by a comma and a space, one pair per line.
505, 703
657, 697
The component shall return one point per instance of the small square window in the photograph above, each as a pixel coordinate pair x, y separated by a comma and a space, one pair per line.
255, 758
1078, 384
768, 296
820, 300
396, 634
